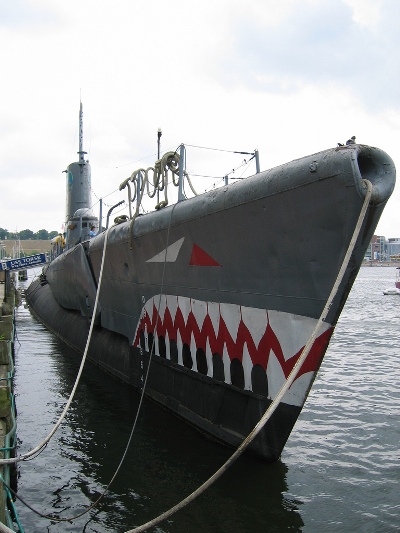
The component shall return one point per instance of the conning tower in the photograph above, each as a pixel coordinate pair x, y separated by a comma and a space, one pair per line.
79, 216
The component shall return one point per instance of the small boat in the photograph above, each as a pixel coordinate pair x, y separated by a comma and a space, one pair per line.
391, 291
219, 293
396, 288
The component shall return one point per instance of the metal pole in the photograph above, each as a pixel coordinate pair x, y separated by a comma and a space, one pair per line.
80, 228
257, 160
101, 216
7, 285
181, 168
138, 198
159, 133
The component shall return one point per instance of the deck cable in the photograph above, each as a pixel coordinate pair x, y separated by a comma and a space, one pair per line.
289, 381
39, 447
96, 502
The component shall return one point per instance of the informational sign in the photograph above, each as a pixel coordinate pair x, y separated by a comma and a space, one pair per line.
23, 263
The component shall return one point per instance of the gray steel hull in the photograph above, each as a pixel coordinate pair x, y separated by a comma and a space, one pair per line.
224, 290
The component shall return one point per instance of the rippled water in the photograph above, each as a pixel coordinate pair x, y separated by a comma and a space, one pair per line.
339, 472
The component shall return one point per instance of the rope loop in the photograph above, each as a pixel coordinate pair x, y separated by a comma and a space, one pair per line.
154, 180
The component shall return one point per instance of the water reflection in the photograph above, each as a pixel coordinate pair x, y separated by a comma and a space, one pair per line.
339, 470
166, 461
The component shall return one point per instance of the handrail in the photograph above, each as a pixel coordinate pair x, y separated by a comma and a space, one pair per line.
110, 211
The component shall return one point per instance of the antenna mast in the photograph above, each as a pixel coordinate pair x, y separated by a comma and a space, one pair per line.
81, 152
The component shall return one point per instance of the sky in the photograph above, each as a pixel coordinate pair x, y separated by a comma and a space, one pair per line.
288, 77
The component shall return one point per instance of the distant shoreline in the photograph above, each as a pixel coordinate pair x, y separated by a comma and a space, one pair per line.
30, 247
381, 264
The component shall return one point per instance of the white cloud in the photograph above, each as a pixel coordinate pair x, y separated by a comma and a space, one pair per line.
366, 12
322, 44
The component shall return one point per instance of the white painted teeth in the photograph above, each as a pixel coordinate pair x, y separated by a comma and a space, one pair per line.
185, 307
172, 304
257, 336
232, 317
199, 310
215, 316
256, 321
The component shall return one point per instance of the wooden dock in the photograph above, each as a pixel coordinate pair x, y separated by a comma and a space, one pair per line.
7, 408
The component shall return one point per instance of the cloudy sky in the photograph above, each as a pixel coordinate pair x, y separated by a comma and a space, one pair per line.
289, 77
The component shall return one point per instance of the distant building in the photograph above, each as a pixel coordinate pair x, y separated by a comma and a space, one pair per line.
376, 249
382, 249
393, 247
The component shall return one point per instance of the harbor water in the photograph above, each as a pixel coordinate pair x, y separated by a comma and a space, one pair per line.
339, 472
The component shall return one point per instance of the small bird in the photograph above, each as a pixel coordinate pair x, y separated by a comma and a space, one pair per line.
351, 141
340, 144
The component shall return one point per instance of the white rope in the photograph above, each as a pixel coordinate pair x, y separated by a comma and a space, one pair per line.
292, 376
25, 456
5, 529
95, 503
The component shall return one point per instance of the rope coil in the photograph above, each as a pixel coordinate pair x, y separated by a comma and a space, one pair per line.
158, 182
154, 180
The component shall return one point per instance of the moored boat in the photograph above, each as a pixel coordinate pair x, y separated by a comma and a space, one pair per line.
391, 291
219, 292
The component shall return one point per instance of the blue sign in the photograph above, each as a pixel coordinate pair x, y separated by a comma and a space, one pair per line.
23, 263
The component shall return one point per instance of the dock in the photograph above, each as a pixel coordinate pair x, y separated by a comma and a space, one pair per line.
8, 298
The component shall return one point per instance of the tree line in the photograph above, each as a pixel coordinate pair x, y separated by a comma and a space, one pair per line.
27, 235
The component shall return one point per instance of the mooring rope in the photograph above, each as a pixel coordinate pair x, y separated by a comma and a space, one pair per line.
256, 429
103, 493
38, 448
289, 381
